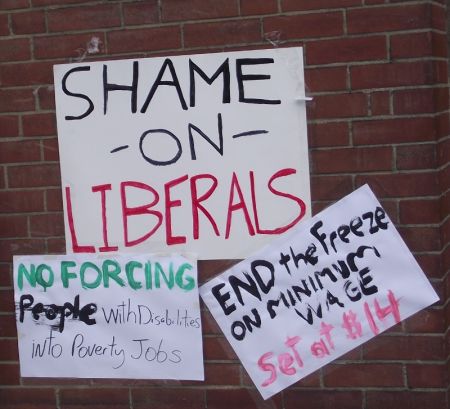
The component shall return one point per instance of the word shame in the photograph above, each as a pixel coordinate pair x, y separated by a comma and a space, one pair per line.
186, 154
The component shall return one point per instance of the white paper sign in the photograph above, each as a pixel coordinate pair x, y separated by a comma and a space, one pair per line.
333, 283
201, 153
134, 316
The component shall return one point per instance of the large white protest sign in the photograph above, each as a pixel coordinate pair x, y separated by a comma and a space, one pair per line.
322, 289
131, 316
201, 153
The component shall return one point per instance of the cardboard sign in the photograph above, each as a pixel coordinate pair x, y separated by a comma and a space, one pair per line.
317, 292
201, 153
131, 316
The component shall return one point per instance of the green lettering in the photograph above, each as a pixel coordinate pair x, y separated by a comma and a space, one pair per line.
111, 269
66, 275
83, 269
189, 283
129, 267
148, 275
31, 277
159, 271
40, 277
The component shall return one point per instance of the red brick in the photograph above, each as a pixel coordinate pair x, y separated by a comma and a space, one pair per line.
426, 321
346, 50
158, 38
416, 157
438, 18
381, 19
26, 74
430, 263
16, 100
9, 126
217, 348
34, 176
313, 380
362, 374
391, 209
68, 46
414, 101
53, 198
5, 276
398, 130
94, 398
167, 398
28, 23
400, 184
415, 211
84, 17
348, 160
141, 13
404, 348
7, 301
405, 399
353, 355
421, 238
50, 148
46, 96
223, 33
392, 75
441, 99
45, 382
13, 247
239, 398
30, 398
328, 134
56, 246
443, 152
13, 4
55, 2
439, 41
45, 225
20, 151
445, 231
323, 399
178, 10
249, 7
4, 25
445, 205
210, 268
17, 49
39, 125
338, 106
8, 352
411, 45
8, 322
426, 376
330, 187
302, 26
444, 176
22, 201
13, 226
301, 5
9, 374
326, 79
222, 374
209, 324
380, 103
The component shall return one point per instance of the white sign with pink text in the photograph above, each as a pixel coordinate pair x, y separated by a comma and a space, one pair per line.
315, 293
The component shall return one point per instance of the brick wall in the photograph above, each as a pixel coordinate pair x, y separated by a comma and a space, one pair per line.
377, 70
